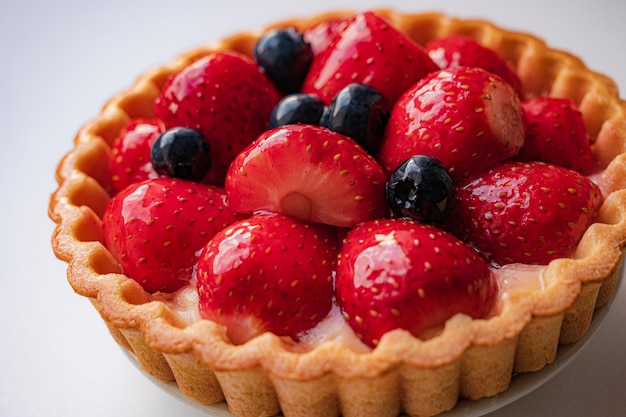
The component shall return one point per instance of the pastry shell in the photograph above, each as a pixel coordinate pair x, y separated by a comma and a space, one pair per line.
470, 359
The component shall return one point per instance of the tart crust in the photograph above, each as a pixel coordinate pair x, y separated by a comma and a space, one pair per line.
470, 358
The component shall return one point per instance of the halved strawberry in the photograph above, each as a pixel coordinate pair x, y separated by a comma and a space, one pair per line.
368, 51
131, 153
224, 96
400, 274
310, 173
155, 228
457, 50
557, 135
526, 212
467, 118
267, 273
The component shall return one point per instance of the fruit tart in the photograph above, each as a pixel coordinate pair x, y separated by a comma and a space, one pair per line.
353, 214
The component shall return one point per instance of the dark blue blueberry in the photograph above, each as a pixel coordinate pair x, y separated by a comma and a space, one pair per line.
285, 58
360, 112
181, 153
421, 189
297, 108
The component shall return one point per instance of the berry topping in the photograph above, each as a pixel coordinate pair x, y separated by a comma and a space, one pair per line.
297, 108
423, 161
131, 154
454, 51
358, 111
285, 58
399, 274
155, 228
267, 273
321, 35
467, 118
224, 96
181, 152
368, 51
525, 212
557, 135
310, 173
421, 189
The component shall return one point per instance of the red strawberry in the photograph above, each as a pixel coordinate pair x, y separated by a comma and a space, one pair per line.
368, 51
522, 212
468, 118
321, 35
224, 96
131, 154
399, 274
155, 228
309, 173
455, 50
557, 135
267, 273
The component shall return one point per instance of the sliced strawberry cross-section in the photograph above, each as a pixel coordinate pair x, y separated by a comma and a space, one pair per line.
310, 173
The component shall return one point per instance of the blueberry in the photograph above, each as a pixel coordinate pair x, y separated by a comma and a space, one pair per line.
181, 152
285, 57
421, 189
297, 108
360, 112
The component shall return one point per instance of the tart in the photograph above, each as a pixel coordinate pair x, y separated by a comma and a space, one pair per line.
419, 375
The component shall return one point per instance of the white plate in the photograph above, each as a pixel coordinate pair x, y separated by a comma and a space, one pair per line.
521, 385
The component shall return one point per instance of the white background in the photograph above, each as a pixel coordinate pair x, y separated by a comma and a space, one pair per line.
61, 60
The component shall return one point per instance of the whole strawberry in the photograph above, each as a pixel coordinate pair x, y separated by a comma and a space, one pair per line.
456, 50
225, 97
368, 51
557, 135
155, 228
310, 173
320, 35
527, 213
130, 162
400, 274
467, 118
267, 273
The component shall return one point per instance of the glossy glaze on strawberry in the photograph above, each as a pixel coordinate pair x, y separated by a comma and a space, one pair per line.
467, 118
130, 162
267, 273
396, 274
557, 135
309, 173
226, 97
154, 229
525, 212
321, 35
460, 51
368, 51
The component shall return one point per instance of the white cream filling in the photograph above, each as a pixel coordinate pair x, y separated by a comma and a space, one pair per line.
511, 278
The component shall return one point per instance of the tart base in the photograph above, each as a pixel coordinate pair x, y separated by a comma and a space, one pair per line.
521, 384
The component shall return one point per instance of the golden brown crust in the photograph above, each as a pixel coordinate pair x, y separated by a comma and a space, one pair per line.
471, 358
